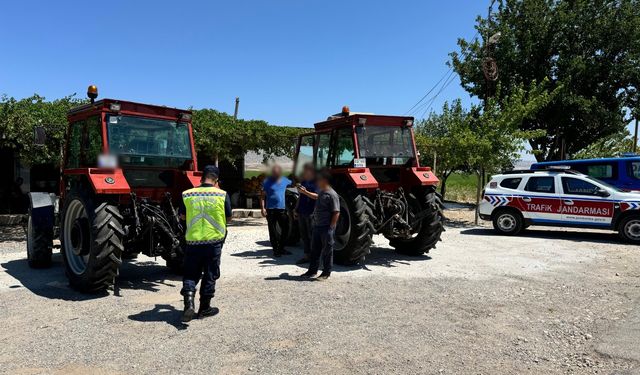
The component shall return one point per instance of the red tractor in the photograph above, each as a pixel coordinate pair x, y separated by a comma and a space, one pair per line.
382, 187
124, 168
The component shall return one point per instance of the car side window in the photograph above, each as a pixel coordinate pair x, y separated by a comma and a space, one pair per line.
511, 183
541, 185
577, 186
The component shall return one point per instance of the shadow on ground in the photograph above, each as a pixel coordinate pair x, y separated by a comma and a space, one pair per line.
552, 234
52, 282
380, 256
161, 313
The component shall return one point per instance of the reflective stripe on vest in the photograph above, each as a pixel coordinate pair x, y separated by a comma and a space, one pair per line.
206, 220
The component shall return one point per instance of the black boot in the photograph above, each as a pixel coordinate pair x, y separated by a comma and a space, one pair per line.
189, 306
205, 309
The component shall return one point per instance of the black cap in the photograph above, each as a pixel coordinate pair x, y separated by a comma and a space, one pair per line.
210, 171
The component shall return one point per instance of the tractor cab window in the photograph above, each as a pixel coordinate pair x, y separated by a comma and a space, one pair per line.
148, 142
322, 153
344, 150
75, 141
305, 153
384, 145
85, 143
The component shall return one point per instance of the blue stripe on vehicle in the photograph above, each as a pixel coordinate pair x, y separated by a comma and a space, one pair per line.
556, 197
549, 221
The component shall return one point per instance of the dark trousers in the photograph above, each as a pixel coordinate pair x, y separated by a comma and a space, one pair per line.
278, 223
306, 229
202, 261
322, 241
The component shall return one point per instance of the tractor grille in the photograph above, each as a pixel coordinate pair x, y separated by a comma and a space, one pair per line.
140, 178
385, 175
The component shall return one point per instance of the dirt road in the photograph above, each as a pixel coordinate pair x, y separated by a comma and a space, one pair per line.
549, 301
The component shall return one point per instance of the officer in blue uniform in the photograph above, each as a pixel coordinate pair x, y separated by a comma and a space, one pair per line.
207, 209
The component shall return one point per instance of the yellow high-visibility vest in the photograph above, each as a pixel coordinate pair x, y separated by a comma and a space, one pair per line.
206, 220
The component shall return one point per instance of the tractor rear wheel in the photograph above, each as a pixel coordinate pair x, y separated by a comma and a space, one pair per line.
91, 238
39, 245
428, 204
354, 231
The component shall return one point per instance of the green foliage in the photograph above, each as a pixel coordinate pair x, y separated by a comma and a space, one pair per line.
218, 134
611, 146
487, 139
589, 49
19, 117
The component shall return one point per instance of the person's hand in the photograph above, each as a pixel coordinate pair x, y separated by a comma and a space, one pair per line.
263, 212
301, 189
295, 215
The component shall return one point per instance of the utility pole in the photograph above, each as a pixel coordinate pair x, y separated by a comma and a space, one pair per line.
235, 112
490, 71
635, 137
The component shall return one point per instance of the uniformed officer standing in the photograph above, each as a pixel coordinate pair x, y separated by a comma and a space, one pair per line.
207, 209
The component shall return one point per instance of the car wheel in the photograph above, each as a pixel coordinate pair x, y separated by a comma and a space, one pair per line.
508, 222
629, 229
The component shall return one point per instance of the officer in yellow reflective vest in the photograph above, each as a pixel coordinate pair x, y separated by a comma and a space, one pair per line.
207, 209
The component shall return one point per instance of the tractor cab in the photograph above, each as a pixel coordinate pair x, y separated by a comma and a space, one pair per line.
122, 147
383, 189
125, 166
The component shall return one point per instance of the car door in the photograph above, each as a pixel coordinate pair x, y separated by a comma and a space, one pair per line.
540, 201
584, 202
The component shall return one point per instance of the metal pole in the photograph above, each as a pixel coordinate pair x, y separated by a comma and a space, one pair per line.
235, 112
635, 138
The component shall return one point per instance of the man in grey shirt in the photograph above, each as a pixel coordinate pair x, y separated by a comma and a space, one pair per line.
325, 219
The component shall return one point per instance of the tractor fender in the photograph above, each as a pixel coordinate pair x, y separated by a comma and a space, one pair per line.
43, 209
104, 180
362, 178
424, 176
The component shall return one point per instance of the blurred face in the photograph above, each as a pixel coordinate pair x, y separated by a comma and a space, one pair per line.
323, 183
308, 174
276, 171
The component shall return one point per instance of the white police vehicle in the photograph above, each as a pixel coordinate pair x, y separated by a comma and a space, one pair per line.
559, 197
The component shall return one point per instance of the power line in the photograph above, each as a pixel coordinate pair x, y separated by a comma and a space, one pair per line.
427, 102
429, 92
447, 74
444, 86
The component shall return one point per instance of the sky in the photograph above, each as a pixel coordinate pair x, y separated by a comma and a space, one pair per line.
290, 62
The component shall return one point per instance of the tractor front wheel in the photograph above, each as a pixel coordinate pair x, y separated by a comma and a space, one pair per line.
39, 245
427, 207
354, 231
92, 242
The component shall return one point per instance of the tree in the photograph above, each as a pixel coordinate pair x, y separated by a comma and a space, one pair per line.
19, 117
447, 136
589, 48
611, 146
221, 136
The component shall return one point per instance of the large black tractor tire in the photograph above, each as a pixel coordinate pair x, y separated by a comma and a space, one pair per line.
39, 245
91, 239
430, 229
354, 232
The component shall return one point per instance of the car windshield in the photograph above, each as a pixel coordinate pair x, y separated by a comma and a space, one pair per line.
385, 142
152, 142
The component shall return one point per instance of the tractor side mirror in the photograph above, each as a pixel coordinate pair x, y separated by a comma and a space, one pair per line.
39, 136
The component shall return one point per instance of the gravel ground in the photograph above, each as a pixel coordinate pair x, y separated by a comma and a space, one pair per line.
549, 301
